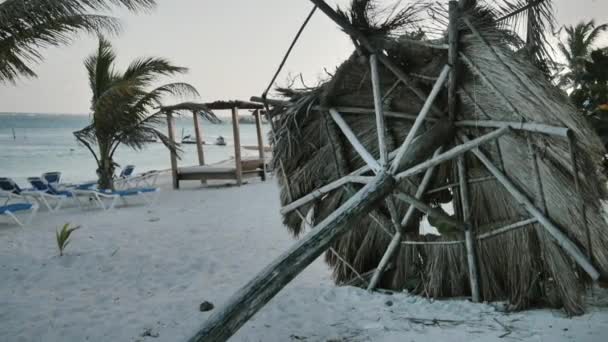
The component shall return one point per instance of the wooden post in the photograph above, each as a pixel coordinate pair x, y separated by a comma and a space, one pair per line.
396, 241
261, 289
577, 184
237, 146
468, 234
567, 245
453, 58
262, 154
171, 129
199, 139
354, 141
254, 295
420, 119
380, 127
453, 153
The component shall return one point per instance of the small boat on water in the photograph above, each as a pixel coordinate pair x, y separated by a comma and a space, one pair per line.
220, 141
189, 139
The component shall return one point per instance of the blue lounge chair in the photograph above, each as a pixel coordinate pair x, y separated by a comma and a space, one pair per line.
125, 178
11, 209
48, 191
53, 178
11, 190
149, 195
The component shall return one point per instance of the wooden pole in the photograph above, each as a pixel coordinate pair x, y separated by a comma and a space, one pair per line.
258, 129
432, 212
468, 234
380, 127
199, 140
263, 287
253, 296
516, 125
570, 247
453, 58
438, 135
420, 119
577, 184
453, 153
354, 141
237, 146
171, 135
395, 242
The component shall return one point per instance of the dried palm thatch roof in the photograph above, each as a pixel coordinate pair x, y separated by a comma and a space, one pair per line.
497, 82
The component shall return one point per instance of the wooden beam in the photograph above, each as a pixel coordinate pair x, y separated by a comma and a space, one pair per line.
171, 136
378, 106
354, 141
420, 119
579, 192
199, 140
453, 58
453, 153
432, 212
567, 245
228, 318
396, 240
237, 145
260, 135
519, 126
469, 233
439, 135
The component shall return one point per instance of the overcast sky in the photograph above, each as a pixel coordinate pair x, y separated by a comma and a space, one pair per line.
232, 48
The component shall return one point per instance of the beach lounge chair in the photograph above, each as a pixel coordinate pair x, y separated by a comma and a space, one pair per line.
125, 178
12, 209
149, 195
53, 178
47, 191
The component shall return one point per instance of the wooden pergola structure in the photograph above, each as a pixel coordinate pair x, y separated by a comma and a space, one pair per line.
415, 156
242, 168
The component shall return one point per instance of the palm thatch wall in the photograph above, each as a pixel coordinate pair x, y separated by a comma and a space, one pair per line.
524, 266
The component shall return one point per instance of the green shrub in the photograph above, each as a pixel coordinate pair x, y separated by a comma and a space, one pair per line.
63, 237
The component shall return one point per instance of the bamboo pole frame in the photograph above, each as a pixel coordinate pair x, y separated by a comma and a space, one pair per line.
354, 141
567, 245
396, 240
237, 146
453, 153
380, 127
420, 119
577, 184
260, 136
515, 125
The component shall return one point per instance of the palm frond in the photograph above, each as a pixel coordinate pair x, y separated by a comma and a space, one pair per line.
19, 50
26, 26
536, 19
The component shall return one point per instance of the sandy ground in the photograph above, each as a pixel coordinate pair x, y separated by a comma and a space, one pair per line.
140, 274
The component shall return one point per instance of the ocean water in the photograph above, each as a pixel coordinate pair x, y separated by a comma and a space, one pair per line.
44, 142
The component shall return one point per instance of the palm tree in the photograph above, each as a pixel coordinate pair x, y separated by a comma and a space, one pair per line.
124, 110
577, 49
26, 26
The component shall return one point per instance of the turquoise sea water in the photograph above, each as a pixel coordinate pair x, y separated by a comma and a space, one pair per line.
44, 142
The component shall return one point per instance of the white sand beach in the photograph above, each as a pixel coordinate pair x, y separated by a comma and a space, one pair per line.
139, 274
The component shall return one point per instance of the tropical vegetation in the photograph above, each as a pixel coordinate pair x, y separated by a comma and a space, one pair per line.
28, 26
126, 107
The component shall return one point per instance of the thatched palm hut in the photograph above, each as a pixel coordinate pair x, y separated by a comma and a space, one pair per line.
497, 83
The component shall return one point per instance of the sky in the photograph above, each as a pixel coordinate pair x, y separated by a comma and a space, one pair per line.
231, 47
